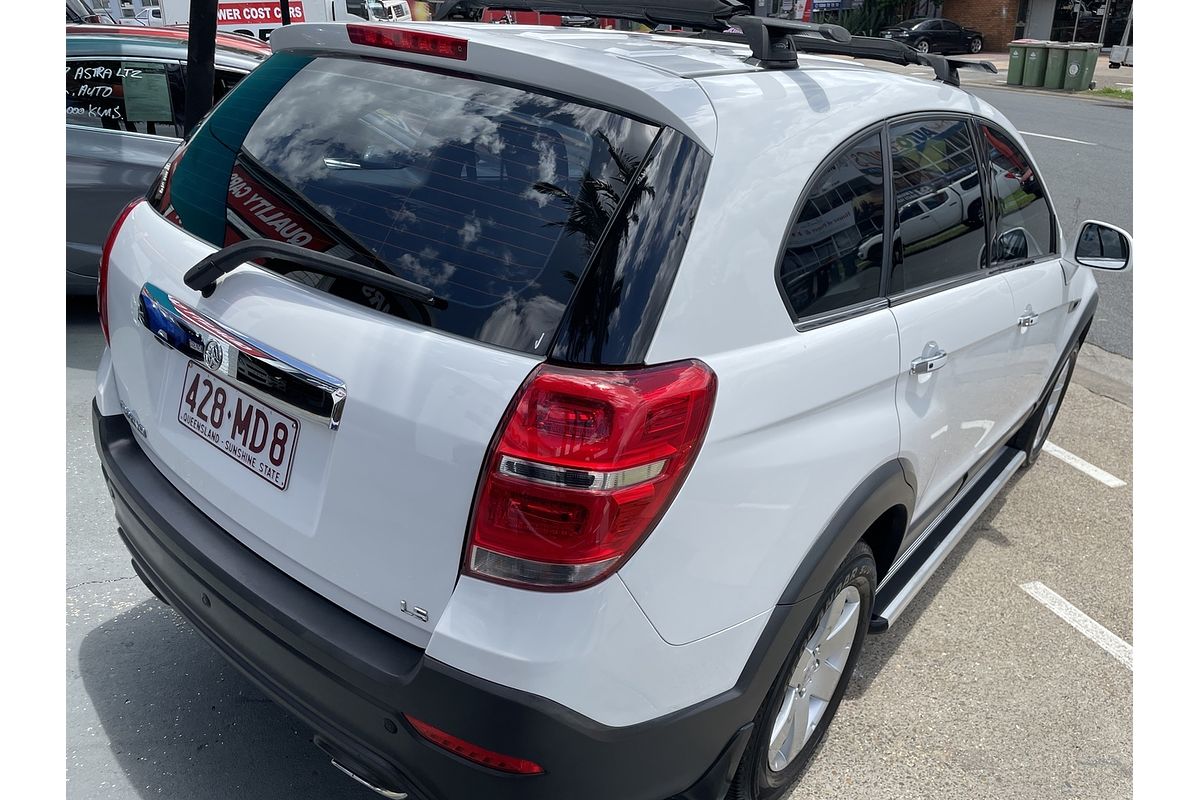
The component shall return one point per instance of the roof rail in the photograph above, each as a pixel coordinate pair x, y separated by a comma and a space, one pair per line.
712, 15
773, 42
870, 48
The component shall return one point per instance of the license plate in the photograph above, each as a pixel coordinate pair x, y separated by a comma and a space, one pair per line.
260, 438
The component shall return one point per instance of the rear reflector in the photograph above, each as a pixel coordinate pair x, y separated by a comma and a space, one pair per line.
102, 282
426, 44
584, 466
472, 752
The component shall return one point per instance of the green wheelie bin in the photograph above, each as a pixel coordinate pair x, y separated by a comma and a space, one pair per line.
1056, 65
1016, 61
1035, 64
1093, 55
1076, 68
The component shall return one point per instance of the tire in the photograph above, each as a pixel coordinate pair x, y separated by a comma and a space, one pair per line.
772, 764
976, 45
975, 214
1036, 431
922, 46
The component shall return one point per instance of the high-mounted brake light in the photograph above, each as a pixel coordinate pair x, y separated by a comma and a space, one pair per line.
426, 44
473, 752
102, 281
585, 465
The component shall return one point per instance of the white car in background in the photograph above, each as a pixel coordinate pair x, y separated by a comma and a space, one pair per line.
477, 393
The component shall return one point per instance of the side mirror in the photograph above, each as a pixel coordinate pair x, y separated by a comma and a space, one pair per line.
1103, 246
1012, 244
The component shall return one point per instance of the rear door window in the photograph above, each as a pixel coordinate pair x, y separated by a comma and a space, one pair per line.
492, 196
934, 164
121, 95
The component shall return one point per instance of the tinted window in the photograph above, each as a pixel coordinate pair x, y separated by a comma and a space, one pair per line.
933, 162
834, 254
120, 95
493, 197
1026, 227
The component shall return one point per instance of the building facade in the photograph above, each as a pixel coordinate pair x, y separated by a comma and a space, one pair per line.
1001, 21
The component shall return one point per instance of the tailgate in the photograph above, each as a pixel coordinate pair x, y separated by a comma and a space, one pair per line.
371, 514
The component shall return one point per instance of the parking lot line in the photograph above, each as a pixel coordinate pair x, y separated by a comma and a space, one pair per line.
1078, 463
1116, 647
1057, 138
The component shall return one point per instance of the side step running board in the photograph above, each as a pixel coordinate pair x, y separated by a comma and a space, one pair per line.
923, 559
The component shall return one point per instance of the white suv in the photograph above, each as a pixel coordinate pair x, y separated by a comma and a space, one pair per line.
519, 408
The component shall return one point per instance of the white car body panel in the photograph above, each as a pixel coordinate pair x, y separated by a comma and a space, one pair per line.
950, 418
365, 525
592, 650
1039, 288
799, 423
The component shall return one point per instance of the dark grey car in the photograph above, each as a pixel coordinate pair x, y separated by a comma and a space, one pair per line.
124, 120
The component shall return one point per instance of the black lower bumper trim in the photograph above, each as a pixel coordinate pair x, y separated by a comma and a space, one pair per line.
352, 683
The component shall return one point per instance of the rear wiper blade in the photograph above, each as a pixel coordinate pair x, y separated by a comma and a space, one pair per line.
203, 276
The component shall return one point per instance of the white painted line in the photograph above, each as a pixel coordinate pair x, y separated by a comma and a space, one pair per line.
1078, 463
1057, 138
1116, 647
1128, 85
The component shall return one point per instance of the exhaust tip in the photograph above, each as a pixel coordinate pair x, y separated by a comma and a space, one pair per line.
389, 793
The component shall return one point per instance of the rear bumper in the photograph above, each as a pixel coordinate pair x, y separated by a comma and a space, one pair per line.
352, 683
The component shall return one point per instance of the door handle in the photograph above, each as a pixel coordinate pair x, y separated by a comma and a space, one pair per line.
1027, 319
933, 358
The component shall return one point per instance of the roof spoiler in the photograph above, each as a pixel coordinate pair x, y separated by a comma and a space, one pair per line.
773, 42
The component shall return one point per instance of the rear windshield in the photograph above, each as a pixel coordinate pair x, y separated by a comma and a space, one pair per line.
492, 196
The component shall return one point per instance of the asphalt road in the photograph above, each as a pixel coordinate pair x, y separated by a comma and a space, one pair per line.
1089, 178
979, 691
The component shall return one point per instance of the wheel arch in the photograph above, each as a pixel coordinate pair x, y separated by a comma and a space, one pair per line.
877, 511
879, 506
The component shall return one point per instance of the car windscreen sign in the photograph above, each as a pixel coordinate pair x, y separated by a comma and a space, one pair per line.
147, 97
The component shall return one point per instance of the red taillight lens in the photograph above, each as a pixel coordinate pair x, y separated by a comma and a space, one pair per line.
426, 44
472, 752
586, 464
102, 282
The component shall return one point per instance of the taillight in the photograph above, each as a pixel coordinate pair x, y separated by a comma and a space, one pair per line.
426, 44
102, 282
473, 752
584, 466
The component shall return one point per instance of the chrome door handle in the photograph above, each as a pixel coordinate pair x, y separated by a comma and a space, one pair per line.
929, 362
1027, 319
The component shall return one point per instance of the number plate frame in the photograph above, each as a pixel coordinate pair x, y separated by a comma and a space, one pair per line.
219, 435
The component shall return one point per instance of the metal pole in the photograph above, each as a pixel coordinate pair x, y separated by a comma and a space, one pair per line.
285, 10
201, 62
1104, 22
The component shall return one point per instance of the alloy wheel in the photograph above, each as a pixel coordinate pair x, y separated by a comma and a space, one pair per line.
922, 46
815, 679
976, 45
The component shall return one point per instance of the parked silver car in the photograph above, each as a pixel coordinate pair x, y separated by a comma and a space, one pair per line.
124, 119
